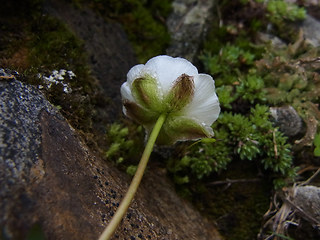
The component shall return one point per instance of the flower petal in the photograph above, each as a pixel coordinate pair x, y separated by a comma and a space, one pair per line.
205, 103
126, 93
135, 72
182, 129
167, 69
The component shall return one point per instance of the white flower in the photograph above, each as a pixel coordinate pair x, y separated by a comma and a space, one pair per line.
172, 86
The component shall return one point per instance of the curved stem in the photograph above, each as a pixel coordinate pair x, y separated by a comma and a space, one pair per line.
111, 228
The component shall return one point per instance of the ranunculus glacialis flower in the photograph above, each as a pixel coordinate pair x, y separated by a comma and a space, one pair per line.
171, 86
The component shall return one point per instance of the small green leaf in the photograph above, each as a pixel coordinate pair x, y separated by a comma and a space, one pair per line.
181, 180
114, 148
316, 140
208, 140
317, 152
120, 160
131, 170
203, 140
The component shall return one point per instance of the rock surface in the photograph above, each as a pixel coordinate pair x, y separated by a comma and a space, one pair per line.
110, 55
287, 119
187, 26
307, 198
48, 176
311, 30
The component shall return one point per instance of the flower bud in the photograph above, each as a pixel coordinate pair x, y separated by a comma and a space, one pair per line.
171, 86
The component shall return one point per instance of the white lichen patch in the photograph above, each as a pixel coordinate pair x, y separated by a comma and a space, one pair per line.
57, 78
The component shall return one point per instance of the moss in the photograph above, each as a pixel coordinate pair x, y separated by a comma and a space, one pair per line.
53, 47
249, 79
45, 45
247, 141
15, 19
250, 138
237, 208
247, 74
317, 145
144, 22
282, 10
125, 143
150, 37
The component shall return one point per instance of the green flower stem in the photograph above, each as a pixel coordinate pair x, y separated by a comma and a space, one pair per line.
111, 228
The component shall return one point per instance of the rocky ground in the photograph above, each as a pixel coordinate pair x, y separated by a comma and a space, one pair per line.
53, 132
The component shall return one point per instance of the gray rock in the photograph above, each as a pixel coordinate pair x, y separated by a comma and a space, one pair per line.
307, 198
300, 208
311, 30
188, 26
276, 42
110, 54
20, 134
50, 177
287, 119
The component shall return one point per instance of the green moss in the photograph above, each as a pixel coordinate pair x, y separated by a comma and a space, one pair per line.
317, 145
125, 141
281, 14
35, 233
229, 57
237, 208
250, 138
150, 37
45, 45
291, 75
52, 46
15, 19
144, 22
247, 74
279, 10
122, 141
251, 88
247, 143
